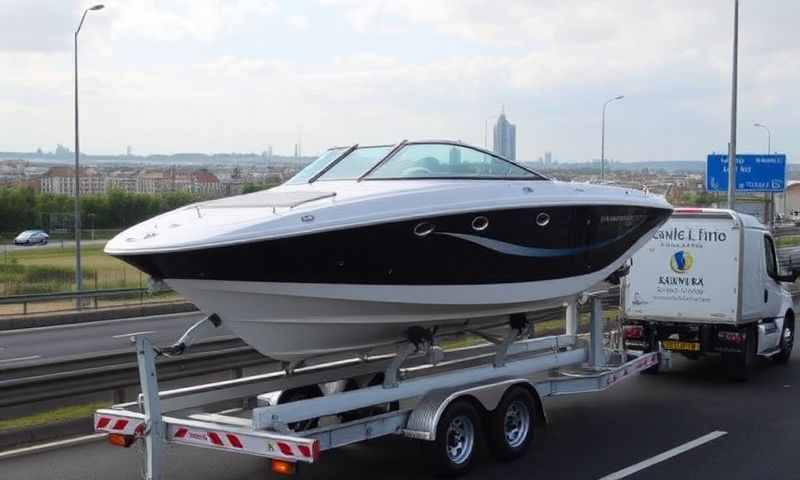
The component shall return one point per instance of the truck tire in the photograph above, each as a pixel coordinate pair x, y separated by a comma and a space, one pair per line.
739, 365
458, 435
511, 424
787, 341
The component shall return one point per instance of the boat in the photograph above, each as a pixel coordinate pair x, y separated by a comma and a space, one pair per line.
367, 242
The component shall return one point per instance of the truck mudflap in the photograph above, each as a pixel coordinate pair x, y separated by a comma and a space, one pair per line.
212, 435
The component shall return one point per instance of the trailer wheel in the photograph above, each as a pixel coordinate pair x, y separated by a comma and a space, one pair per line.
511, 424
787, 341
739, 365
302, 393
457, 438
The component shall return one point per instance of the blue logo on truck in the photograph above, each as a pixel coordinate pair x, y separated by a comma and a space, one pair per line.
681, 261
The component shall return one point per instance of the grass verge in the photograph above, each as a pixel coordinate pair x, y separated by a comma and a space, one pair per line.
58, 415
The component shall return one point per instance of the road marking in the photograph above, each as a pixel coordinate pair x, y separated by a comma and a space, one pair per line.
664, 456
99, 323
123, 335
46, 447
19, 359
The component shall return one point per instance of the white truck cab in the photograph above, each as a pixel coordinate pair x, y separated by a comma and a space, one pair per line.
709, 282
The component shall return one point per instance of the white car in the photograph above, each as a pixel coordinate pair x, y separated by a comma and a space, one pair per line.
32, 237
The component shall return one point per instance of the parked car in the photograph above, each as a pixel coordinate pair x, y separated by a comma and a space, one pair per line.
32, 237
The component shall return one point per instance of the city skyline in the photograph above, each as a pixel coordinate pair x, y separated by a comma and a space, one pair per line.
202, 76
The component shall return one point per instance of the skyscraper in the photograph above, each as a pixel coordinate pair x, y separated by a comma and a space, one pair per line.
505, 138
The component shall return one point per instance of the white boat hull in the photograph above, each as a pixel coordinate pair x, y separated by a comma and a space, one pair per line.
297, 321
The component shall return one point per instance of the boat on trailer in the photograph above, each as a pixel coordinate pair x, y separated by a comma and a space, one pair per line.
369, 242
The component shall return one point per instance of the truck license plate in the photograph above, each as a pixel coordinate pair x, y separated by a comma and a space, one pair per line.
684, 346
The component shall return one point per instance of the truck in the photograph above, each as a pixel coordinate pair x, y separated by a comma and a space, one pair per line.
709, 282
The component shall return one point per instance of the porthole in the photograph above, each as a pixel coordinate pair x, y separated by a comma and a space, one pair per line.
424, 229
542, 219
480, 223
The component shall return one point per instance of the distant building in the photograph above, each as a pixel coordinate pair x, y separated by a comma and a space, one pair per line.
548, 158
61, 181
505, 138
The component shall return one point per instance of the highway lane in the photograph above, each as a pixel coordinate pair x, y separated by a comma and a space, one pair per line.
20, 347
52, 244
590, 436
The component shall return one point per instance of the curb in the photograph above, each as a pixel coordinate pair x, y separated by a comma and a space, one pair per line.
67, 318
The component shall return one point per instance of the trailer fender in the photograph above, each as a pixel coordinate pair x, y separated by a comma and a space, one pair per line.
486, 395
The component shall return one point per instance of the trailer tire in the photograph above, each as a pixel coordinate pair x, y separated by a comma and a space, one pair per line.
302, 393
458, 435
787, 341
511, 424
739, 365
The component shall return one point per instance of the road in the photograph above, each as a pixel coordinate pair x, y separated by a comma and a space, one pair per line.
20, 347
589, 437
53, 244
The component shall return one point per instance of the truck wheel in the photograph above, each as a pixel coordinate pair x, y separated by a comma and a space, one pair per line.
511, 424
739, 365
457, 438
787, 341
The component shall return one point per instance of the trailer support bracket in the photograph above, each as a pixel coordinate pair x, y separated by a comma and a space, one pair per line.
154, 426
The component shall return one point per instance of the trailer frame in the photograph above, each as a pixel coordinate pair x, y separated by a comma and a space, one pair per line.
421, 382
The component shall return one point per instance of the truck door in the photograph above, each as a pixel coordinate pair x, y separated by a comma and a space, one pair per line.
773, 297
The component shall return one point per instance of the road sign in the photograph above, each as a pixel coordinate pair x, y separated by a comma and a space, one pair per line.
754, 173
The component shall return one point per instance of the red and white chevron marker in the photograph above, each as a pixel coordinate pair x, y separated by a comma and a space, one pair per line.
296, 449
115, 424
258, 442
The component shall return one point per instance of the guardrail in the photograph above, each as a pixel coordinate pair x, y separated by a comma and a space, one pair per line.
116, 371
80, 299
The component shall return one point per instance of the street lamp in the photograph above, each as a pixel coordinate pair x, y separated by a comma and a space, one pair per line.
77, 161
769, 136
771, 207
603, 139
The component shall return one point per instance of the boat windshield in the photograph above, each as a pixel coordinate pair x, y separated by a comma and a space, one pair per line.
444, 160
313, 168
356, 163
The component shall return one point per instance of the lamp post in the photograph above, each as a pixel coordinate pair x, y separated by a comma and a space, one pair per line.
78, 276
771, 207
769, 136
734, 94
603, 138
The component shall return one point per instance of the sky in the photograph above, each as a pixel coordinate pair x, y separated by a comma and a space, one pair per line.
166, 76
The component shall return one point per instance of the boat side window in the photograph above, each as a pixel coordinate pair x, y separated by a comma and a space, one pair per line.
356, 163
769, 255
442, 160
313, 168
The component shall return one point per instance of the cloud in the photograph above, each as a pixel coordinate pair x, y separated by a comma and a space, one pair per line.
405, 70
297, 22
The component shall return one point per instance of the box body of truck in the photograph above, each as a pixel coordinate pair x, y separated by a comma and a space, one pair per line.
707, 282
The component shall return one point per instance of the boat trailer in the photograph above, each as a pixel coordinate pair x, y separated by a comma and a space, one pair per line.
423, 393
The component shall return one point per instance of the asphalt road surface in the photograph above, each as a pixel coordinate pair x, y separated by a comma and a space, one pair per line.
19, 347
53, 244
745, 431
